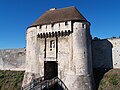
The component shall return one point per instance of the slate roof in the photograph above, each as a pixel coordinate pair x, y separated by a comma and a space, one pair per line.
59, 15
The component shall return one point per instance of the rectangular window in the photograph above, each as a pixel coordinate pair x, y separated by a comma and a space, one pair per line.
59, 24
82, 25
66, 23
40, 27
52, 25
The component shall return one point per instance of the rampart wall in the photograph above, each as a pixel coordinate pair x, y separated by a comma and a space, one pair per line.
106, 53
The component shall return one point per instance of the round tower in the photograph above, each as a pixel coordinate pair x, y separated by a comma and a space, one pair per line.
32, 68
80, 74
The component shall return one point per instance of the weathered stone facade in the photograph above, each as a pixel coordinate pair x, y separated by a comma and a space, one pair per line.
67, 43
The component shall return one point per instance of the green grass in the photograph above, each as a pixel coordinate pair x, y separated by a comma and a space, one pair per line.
111, 80
11, 80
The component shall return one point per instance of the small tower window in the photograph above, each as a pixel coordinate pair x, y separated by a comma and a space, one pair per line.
66, 23
46, 26
40, 26
59, 24
52, 25
83, 26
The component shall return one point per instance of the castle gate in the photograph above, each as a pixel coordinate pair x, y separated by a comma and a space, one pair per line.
50, 69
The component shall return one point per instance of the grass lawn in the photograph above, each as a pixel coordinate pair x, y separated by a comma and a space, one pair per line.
11, 80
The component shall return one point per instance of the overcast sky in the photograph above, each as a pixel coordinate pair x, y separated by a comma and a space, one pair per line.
17, 15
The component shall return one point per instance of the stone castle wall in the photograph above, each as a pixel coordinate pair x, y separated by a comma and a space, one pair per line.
12, 59
106, 53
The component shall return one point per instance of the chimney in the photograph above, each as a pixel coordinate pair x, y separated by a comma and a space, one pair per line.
52, 9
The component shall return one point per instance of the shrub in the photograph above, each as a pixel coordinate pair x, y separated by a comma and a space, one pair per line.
113, 79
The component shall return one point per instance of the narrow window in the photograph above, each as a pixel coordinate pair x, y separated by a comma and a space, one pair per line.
52, 25
59, 24
52, 44
66, 23
40, 27
86, 26
83, 26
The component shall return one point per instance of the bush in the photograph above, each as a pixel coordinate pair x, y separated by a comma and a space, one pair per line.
113, 79
110, 80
